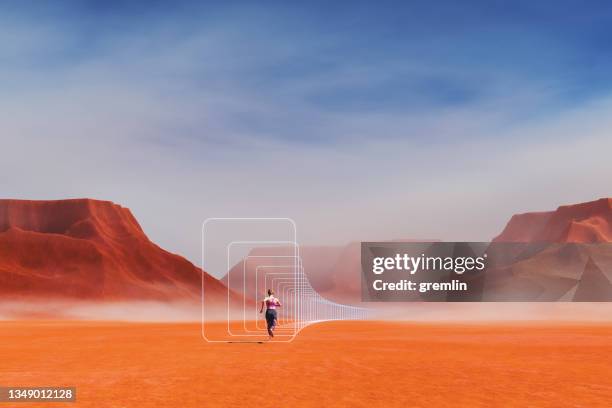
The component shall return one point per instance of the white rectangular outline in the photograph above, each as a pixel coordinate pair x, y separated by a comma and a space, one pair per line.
257, 319
271, 286
306, 296
303, 298
286, 283
203, 236
290, 323
288, 279
244, 262
300, 271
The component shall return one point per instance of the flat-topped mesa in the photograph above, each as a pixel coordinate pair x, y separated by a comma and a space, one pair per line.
588, 222
78, 218
92, 250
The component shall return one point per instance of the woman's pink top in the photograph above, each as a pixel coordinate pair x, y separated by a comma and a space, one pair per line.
271, 302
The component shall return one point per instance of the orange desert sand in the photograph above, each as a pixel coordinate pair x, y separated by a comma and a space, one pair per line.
349, 364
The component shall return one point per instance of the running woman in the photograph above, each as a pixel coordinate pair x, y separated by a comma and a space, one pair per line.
271, 304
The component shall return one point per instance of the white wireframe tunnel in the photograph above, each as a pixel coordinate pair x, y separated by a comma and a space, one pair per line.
251, 268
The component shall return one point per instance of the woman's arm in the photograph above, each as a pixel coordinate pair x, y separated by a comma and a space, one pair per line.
261, 308
278, 303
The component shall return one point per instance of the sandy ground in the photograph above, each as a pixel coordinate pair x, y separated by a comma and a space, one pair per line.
350, 364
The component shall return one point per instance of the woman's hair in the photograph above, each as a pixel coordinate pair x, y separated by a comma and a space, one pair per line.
270, 292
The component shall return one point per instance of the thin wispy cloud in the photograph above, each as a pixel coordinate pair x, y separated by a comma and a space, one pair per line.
358, 124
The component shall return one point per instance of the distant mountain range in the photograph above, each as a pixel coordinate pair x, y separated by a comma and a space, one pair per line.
96, 250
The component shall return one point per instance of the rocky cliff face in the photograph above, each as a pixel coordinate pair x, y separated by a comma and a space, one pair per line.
588, 222
89, 249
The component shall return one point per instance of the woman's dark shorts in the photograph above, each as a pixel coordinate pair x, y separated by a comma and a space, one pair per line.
271, 318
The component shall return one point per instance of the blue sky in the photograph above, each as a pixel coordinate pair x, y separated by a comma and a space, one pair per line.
402, 57
369, 116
